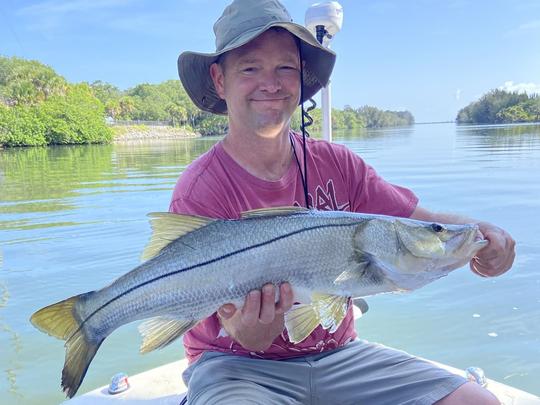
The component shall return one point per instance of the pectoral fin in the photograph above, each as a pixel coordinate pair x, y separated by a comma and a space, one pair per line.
160, 331
325, 310
355, 270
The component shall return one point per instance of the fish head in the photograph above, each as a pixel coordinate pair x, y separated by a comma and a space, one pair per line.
413, 253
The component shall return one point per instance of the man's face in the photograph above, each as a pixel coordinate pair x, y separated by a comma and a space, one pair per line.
260, 82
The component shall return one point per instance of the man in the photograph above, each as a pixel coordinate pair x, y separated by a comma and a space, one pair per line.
264, 65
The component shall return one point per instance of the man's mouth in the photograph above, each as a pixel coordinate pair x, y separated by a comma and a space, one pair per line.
269, 100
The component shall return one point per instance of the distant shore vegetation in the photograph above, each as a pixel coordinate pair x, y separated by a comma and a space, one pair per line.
501, 107
39, 107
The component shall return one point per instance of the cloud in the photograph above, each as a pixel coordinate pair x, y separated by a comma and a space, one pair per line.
150, 23
54, 8
383, 7
529, 88
524, 28
458, 4
52, 18
531, 25
458, 94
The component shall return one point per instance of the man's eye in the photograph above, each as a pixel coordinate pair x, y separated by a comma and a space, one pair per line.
248, 69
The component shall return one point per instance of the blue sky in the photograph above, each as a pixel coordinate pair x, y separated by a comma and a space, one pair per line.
430, 57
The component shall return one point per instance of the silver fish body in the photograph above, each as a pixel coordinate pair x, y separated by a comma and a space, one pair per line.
196, 267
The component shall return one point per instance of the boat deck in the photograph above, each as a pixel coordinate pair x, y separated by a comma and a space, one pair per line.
163, 386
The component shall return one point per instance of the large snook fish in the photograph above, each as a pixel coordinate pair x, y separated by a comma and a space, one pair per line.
198, 264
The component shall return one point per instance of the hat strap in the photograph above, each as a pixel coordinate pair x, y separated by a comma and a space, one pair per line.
305, 133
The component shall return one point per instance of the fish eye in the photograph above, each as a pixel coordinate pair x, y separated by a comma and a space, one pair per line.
437, 227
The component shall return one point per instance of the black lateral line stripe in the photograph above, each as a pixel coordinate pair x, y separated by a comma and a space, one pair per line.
225, 256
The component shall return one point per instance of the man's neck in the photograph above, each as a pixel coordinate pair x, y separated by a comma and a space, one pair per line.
266, 156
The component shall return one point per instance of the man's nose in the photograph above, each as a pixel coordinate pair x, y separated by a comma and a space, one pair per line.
270, 81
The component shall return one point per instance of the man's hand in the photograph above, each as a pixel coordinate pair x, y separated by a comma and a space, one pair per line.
260, 320
494, 259
498, 256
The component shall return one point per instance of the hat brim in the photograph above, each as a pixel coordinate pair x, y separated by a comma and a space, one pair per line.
194, 67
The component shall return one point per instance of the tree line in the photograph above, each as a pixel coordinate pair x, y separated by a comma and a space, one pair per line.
39, 107
500, 107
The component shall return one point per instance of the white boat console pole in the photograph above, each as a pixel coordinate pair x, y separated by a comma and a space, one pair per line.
324, 20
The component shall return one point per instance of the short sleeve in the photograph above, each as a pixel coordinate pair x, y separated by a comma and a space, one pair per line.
371, 194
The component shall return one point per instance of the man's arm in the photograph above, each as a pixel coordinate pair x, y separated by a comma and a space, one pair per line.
493, 260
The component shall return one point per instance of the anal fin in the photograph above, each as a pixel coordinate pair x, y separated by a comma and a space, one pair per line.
161, 331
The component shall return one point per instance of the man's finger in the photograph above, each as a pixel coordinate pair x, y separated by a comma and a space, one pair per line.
267, 311
285, 298
475, 267
251, 308
509, 261
227, 311
493, 267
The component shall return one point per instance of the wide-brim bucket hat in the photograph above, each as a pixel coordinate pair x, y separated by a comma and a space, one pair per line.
241, 22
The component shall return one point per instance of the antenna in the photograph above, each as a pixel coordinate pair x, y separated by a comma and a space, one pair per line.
324, 20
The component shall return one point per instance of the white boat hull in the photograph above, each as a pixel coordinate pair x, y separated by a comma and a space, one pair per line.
163, 386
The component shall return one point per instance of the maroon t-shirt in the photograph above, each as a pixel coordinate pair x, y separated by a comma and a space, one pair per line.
215, 186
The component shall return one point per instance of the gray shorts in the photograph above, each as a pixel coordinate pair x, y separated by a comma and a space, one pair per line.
358, 373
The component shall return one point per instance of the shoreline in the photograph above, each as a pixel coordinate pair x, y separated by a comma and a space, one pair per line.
123, 133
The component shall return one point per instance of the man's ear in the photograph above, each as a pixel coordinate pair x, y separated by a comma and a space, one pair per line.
216, 73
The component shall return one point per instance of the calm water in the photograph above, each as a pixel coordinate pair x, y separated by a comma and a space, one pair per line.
74, 218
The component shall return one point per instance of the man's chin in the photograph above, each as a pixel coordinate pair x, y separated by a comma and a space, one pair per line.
271, 119
271, 126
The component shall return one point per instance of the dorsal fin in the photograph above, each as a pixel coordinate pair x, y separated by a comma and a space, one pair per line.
167, 227
269, 212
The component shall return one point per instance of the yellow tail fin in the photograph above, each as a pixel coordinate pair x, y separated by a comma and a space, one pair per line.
59, 320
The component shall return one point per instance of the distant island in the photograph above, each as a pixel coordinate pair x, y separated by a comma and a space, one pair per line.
501, 107
39, 107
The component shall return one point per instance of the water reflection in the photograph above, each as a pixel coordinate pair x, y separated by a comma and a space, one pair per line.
371, 133
508, 139
45, 179
154, 157
43, 175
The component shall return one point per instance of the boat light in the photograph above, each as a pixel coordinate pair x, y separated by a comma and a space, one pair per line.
477, 375
119, 383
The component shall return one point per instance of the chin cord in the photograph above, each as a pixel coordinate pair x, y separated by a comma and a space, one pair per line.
305, 117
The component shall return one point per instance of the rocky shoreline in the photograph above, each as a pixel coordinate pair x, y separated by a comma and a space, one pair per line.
144, 132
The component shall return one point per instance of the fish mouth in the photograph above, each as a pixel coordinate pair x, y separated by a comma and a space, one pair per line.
478, 240
471, 244
480, 243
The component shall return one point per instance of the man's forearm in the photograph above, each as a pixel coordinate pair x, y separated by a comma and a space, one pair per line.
423, 214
